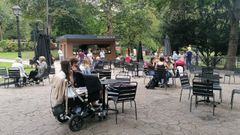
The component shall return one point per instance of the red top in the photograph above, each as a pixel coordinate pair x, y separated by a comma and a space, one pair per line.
128, 59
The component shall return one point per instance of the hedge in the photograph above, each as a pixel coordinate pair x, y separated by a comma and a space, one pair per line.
12, 46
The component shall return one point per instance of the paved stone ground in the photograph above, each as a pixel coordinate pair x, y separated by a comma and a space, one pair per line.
26, 111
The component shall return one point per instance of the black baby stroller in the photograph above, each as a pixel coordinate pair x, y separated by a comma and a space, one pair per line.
76, 109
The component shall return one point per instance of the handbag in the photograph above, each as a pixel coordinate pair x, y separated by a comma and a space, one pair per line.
58, 109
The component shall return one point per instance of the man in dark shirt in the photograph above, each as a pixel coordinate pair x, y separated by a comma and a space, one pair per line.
189, 59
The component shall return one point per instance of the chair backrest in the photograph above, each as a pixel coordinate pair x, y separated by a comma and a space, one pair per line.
229, 72
117, 63
140, 66
214, 78
207, 70
122, 77
130, 66
46, 73
3, 71
184, 81
99, 65
202, 88
107, 64
125, 91
52, 70
105, 73
14, 72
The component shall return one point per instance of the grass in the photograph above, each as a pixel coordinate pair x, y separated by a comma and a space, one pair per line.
26, 55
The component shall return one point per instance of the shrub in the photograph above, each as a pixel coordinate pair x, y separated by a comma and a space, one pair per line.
8, 45
12, 46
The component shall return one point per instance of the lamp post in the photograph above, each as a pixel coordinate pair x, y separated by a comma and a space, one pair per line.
16, 11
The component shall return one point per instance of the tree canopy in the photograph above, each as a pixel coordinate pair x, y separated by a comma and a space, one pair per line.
212, 26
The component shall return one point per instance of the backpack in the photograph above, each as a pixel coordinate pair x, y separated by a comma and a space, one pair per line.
151, 84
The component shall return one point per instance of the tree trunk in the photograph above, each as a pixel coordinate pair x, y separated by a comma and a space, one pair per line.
109, 25
232, 45
1, 33
108, 13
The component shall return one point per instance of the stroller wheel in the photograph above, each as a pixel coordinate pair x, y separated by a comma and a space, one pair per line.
61, 118
76, 123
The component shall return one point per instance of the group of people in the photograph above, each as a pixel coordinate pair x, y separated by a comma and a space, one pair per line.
185, 57
172, 65
87, 61
34, 75
71, 72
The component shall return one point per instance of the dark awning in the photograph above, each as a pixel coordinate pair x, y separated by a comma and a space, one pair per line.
85, 37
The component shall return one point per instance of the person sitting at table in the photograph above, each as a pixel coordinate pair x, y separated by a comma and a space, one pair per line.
40, 70
85, 66
150, 67
98, 64
163, 67
18, 64
92, 83
170, 67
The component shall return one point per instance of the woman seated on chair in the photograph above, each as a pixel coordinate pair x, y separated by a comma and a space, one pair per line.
170, 67
85, 66
40, 70
162, 64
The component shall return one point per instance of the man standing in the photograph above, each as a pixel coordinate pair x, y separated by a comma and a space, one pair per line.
60, 54
189, 59
102, 54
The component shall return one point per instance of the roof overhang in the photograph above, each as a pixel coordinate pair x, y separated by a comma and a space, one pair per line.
79, 38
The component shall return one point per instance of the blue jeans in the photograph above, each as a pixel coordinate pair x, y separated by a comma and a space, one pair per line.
189, 64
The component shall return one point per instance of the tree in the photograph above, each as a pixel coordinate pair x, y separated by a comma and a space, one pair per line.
233, 7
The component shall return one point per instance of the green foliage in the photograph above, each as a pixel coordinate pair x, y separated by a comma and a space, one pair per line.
137, 22
12, 46
202, 23
8, 46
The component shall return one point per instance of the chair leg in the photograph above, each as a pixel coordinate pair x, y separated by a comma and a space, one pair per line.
8, 84
115, 104
122, 106
220, 95
213, 105
196, 101
234, 78
224, 79
191, 103
135, 109
180, 95
189, 93
107, 104
229, 79
232, 99
4, 83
